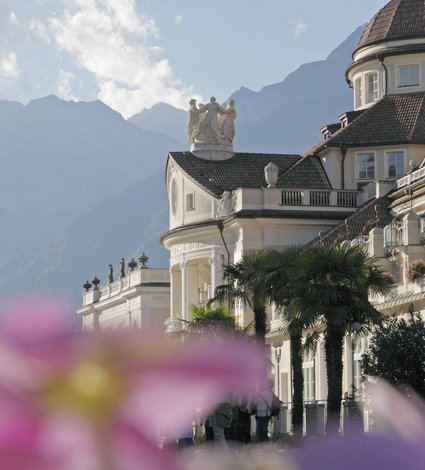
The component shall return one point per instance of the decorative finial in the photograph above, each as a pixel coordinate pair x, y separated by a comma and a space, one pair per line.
87, 286
95, 281
132, 264
143, 260
271, 174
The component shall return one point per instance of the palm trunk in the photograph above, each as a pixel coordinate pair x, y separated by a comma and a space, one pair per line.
298, 384
260, 324
334, 341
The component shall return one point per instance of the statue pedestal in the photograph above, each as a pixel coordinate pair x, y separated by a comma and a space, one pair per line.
212, 151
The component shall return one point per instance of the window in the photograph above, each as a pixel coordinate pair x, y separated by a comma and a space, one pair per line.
360, 347
395, 164
372, 87
366, 166
190, 201
358, 90
308, 369
409, 75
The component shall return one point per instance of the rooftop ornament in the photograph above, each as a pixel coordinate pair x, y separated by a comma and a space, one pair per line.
132, 264
111, 273
211, 129
143, 260
95, 281
87, 286
122, 267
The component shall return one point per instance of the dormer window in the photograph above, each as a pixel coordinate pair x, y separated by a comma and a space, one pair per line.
409, 75
372, 87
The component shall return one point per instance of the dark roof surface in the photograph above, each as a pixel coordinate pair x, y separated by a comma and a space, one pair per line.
395, 119
246, 170
374, 213
398, 19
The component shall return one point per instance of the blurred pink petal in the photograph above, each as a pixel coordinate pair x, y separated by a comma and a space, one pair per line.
202, 374
395, 413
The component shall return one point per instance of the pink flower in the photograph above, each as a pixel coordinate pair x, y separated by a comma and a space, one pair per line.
99, 401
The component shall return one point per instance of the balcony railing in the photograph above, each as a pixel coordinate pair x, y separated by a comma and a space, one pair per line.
410, 178
292, 198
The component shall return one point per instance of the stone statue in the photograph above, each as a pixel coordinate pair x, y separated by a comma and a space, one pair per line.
228, 124
194, 116
271, 174
111, 273
226, 204
209, 126
122, 267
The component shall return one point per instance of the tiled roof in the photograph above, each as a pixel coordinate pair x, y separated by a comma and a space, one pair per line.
374, 213
395, 119
399, 19
291, 214
246, 170
307, 173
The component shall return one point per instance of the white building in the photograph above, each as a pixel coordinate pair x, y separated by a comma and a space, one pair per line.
223, 204
139, 299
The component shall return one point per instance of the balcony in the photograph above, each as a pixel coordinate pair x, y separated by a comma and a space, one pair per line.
411, 178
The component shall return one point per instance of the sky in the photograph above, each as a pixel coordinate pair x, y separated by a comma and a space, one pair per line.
131, 54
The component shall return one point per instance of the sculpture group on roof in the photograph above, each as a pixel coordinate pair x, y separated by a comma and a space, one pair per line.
211, 122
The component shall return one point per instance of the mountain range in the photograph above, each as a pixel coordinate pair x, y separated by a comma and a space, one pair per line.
82, 187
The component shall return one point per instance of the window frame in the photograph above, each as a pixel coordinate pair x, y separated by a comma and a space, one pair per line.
367, 177
387, 163
409, 64
374, 95
190, 197
309, 375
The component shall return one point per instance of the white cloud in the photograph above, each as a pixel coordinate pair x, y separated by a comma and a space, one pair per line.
13, 18
9, 66
178, 19
300, 28
64, 86
39, 30
110, 39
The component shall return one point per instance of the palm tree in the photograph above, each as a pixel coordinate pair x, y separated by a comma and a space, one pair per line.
243, 283
331, 286
259, 279
274, 271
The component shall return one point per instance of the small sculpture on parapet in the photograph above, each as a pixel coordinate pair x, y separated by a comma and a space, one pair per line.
122, 267
111, 274
226, 205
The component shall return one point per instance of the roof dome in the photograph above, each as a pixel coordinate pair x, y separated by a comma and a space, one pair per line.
399, 19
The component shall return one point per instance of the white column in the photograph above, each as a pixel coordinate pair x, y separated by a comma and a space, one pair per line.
215, 262
172, 293
185, 290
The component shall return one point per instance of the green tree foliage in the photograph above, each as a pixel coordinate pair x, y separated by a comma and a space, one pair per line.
330, 286
210, 318
397, 352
